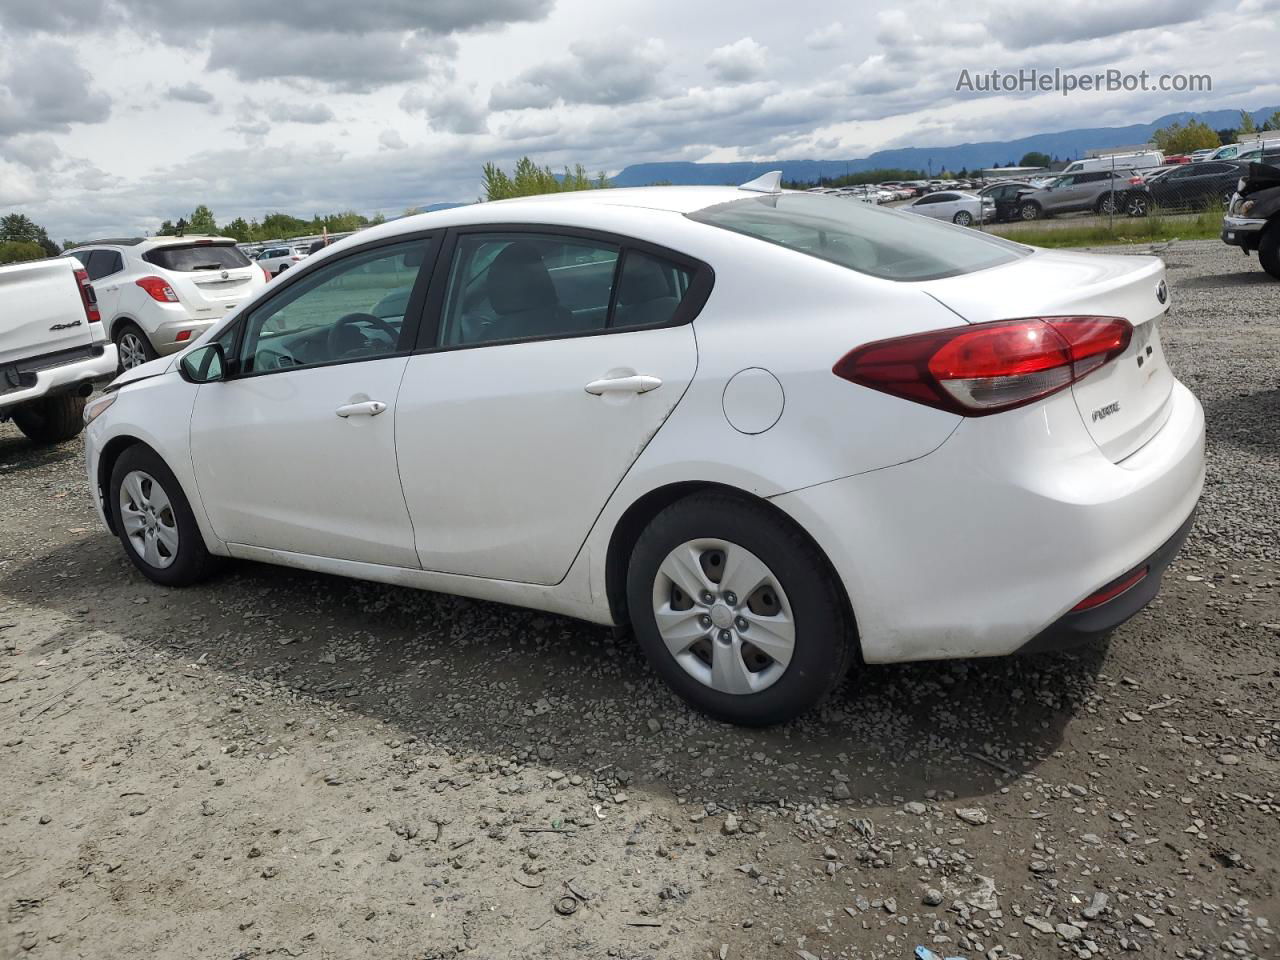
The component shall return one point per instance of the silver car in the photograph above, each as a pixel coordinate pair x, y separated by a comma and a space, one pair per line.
1098, 191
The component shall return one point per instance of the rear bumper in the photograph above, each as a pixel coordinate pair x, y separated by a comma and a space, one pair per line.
1077, 628
99, 364
983, 545
165, 338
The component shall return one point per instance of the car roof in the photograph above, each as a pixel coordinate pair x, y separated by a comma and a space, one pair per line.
152, 241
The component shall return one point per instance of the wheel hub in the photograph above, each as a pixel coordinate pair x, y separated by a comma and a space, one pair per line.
722, 616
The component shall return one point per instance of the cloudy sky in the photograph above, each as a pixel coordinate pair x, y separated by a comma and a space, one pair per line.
116, 114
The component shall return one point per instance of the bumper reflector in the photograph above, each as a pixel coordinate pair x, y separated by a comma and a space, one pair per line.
1112, 590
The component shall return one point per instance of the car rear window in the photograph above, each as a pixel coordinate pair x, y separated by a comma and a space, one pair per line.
872, 240
197, 256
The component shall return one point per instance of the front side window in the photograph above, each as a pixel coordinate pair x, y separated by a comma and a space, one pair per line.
349, 310
863, 237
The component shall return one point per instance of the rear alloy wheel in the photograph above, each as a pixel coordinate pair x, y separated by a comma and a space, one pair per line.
737, 611
1029, 211
1137, 206
133, 347
963, 218
154, 520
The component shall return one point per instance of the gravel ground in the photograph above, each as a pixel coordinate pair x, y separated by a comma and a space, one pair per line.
283, 764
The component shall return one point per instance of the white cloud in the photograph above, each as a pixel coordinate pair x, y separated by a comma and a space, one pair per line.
391, 140
826, 38
739, 62
450, 110
610, 69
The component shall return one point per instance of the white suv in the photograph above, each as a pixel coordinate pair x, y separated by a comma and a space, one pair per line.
157, 294
276, 260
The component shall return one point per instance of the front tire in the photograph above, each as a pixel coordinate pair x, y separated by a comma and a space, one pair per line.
51, 419
133, 347
154, 521
1269, 250
737, 611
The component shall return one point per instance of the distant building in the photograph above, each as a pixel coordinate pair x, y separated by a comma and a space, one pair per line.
1005, 173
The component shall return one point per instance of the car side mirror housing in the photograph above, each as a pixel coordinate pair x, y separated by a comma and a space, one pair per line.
207, 364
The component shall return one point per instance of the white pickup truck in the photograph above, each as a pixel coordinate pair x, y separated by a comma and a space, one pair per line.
52, 347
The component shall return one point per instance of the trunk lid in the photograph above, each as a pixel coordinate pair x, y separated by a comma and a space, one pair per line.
1124, 403
209, 277
41, 310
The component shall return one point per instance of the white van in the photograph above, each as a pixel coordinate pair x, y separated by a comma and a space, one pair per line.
1251, 149
1117, 161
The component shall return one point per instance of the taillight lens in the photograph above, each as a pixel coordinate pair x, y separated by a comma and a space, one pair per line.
88, 297
1135, 181
158, 288
988, 367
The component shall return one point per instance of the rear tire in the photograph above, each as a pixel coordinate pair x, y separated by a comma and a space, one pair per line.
1137, 206
147, 504
283, 268
796, 595
1029, 211
133, 347
1269, 249
962, 218
51, 419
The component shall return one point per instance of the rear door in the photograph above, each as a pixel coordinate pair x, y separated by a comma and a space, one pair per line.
106, 272
557, 355
210, 278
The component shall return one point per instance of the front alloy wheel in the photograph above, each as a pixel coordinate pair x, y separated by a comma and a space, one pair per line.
723, 616
147, 516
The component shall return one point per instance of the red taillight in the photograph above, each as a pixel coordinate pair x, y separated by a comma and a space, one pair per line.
158, 288
1135, 181
88, 297
266, 273
987, 367
1112, 590
183, 335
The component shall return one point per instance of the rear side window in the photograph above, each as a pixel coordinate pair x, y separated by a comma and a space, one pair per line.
102, 263
201, 256
506, 287
869, 239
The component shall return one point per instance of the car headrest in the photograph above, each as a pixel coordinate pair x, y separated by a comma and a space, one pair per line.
518, 280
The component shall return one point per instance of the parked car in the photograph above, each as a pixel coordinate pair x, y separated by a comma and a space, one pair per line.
1249, 149
1195, 186
961, 208
541, 426
52, 347
1141, 160
1253, 216
276, 260
158, 294
1100, 191
1004, 195
1202, 154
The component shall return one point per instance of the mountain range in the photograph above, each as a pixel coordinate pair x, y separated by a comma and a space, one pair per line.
1065, 145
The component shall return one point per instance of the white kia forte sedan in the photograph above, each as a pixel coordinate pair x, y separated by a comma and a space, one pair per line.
775, 433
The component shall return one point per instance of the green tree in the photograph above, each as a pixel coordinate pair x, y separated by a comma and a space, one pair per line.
1227, 134
18, 251
1177, 138
1247, 126
1034, 158
238, 229
20, 228
280, 226
528, 179
201, 221
1273, 122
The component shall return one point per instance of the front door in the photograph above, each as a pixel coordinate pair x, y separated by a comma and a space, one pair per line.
545, 381
296, 451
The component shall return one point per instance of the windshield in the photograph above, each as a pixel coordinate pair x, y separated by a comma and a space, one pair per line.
197, 256
869, 239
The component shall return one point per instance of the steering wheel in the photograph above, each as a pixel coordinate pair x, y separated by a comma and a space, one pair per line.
351, 319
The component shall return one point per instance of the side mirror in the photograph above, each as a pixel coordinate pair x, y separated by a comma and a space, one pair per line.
206, 364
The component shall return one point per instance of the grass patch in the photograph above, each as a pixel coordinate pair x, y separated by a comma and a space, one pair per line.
1153, 229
